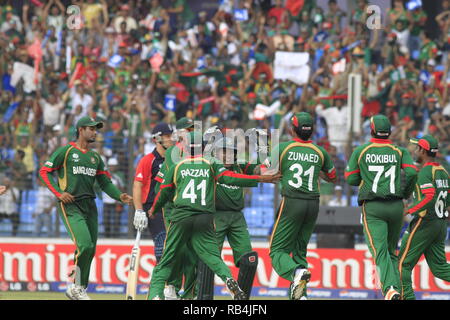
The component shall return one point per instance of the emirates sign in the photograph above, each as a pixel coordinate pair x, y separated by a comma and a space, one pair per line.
51, 260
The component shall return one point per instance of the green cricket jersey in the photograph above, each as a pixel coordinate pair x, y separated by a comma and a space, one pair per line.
431, 193
231, 197
300, 163
192, 185
376, 167
77, 172
171, 152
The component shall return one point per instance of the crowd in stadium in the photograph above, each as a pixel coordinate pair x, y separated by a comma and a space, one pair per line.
132, 64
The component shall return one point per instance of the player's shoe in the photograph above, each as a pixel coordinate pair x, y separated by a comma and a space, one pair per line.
76, 292
170, 293
234, 290
301, 278
392, 294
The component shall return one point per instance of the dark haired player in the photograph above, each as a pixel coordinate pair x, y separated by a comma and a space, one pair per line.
301, 163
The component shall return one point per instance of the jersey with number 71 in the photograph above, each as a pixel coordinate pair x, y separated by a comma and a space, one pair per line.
376, 167
192, 184
431, 194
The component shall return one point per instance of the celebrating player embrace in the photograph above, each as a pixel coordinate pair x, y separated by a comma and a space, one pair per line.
190, 183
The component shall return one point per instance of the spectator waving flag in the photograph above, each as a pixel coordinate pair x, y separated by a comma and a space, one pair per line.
292, 66
10, 112
170, 101
295, 6
115, 61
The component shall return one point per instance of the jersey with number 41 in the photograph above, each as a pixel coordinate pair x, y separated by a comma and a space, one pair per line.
192, 184
376, 167
431, 193
300, 163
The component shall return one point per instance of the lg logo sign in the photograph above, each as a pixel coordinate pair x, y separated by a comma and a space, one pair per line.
374, 20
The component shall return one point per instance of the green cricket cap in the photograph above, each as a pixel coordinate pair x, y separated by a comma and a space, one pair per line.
184, 123
428, 142
89, 122
302, 120
380, 123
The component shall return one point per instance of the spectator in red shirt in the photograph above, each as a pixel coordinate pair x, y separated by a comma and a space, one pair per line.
279, 12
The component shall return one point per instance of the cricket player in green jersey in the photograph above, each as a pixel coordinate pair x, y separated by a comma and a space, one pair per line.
230, 223
428, 229
376, 168
192, 183
301, 163
187, 261
78, 168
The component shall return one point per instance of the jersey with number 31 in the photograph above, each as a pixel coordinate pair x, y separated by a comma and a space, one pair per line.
300, 165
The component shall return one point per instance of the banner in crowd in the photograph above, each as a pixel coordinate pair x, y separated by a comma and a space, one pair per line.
43, 265
292, 66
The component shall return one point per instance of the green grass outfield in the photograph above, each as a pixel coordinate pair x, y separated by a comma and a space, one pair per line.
94, 296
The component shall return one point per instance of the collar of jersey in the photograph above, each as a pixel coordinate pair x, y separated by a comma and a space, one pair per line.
436, 164
197, 156
157, 154
73, 144
385, 141
302, 141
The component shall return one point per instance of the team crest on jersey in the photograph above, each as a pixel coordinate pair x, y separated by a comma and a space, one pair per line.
75, 157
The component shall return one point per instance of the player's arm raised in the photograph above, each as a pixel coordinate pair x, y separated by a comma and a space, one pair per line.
410, 173
241, 180
352, 171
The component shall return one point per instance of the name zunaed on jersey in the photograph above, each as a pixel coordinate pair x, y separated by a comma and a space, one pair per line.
307, 157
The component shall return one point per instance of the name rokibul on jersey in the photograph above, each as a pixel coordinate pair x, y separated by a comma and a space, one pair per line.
381, 158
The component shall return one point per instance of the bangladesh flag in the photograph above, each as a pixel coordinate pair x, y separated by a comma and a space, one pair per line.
190, 79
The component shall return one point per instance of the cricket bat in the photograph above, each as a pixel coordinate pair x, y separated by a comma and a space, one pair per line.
134, 269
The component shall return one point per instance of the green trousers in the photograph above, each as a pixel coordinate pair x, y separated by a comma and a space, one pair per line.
382, 224
197, 232
184, 267
232, 225
81, 221
292, 231
423, 237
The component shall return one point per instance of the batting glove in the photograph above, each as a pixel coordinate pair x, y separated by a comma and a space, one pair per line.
140, 220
